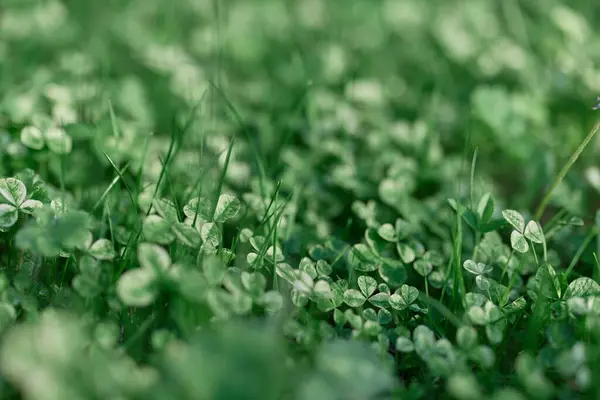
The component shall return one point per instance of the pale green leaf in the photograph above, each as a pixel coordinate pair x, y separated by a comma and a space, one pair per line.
32, 137
380, 300
476, 268
482, 283
29, 206
157, 230
272, 302
166, 209
227, 207
153, 257
387, 232
187, 235
423, 267
102, 249
534, 232
407, 254
367, 285
582, 287
354, 298
136, 288
210, 234
466, 337
201, 205
8, 215
408, 293
477, 315
404, 345
286, 272
518, 242
323, 268
58, 140
515, 219
13, 191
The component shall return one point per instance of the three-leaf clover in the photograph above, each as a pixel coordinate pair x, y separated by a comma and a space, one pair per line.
518, 237
479, 270
139, 287
55, 137
367, 286
13, 199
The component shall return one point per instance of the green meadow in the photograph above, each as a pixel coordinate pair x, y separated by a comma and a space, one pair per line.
299, 199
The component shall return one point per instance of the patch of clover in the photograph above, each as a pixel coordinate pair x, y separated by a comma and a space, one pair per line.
521, 232
439, 355
14, 201
52, 136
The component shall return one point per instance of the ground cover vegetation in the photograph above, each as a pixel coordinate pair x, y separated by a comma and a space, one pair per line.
261, 199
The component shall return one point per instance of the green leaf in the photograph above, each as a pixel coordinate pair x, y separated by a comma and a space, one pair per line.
387, 232
323, 268
582, 287
407, 254
354, 320
547, 281
423, 267
192, 285
13, 191
367, 285
534, 232
32, 137
495, 323
210, 234
166, 209
354, 298
153, 258
466, 337
227, 207
482, 283
276, 255
158, 230
254, 282
136, 287
424, 340
393, 275
408, 293
214, 270
477, 268
58, 141
474, 299
463, 386
8, 216
273, 302
286, 272
86, 286
384, 317
516, 306
485, 209
361, 258
404, 345
204, 209
484, 356
477, 315
518, 242
187, 235
380, 300
339, 317
29, 206
102, 249
515, 219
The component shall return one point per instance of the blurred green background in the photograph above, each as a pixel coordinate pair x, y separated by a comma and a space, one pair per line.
515, 78
346, 102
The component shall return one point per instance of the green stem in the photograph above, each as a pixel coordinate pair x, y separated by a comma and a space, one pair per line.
563, 172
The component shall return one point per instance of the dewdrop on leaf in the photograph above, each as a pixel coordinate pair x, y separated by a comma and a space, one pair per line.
597, 106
